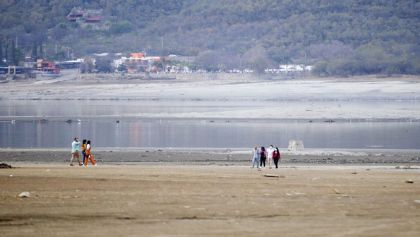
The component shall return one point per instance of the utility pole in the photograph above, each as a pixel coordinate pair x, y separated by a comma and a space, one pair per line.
161, 41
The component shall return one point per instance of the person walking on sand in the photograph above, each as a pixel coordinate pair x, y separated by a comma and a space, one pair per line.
270, 152
256, 157
75, 148
263, 155
276, 157
84, 150
89, 155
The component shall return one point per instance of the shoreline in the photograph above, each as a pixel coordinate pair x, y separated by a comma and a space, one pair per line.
222, 156
414, 168
76, 119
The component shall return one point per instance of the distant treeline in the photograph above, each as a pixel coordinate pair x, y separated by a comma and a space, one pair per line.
349, 37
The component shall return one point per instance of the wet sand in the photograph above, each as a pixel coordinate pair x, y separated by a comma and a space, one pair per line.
163, 199
209, 156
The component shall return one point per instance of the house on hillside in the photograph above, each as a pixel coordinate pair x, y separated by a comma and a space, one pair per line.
47, 68
137, 56
93, 18
84, 15
75, 13
139, 62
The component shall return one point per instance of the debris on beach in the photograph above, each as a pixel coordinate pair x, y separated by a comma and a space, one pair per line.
336, 191
407, 167
343, 196
274, 176
417, 201
409, 181
295, 194
24, 195
353, 172
69, 121
5, 166
224, 177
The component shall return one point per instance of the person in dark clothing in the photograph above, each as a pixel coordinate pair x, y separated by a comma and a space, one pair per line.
263, 156
276, 157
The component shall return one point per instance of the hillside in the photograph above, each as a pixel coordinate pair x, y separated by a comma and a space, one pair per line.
339, 37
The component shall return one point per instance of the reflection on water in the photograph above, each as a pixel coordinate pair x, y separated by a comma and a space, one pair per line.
93, 108
21, 125
208, 133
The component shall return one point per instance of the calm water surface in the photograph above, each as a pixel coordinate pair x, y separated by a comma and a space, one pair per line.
209, 134
22, 131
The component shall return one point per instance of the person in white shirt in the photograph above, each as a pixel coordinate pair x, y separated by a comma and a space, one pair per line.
75, 148
270, 152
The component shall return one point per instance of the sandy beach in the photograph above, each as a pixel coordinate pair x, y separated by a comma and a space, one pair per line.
189, 200
210, 192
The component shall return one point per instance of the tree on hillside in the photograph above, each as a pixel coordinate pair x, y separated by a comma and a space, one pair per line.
219, 32
104, 64
214, 60
208, 60
257, 58
1, 53
87, 66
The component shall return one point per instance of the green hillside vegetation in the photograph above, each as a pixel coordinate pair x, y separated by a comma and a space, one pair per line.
350, 37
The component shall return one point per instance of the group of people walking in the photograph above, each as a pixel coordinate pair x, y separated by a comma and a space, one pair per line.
262, 155
85, 147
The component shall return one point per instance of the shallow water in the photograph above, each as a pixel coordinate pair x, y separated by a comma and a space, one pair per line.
209, 133
22, 126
